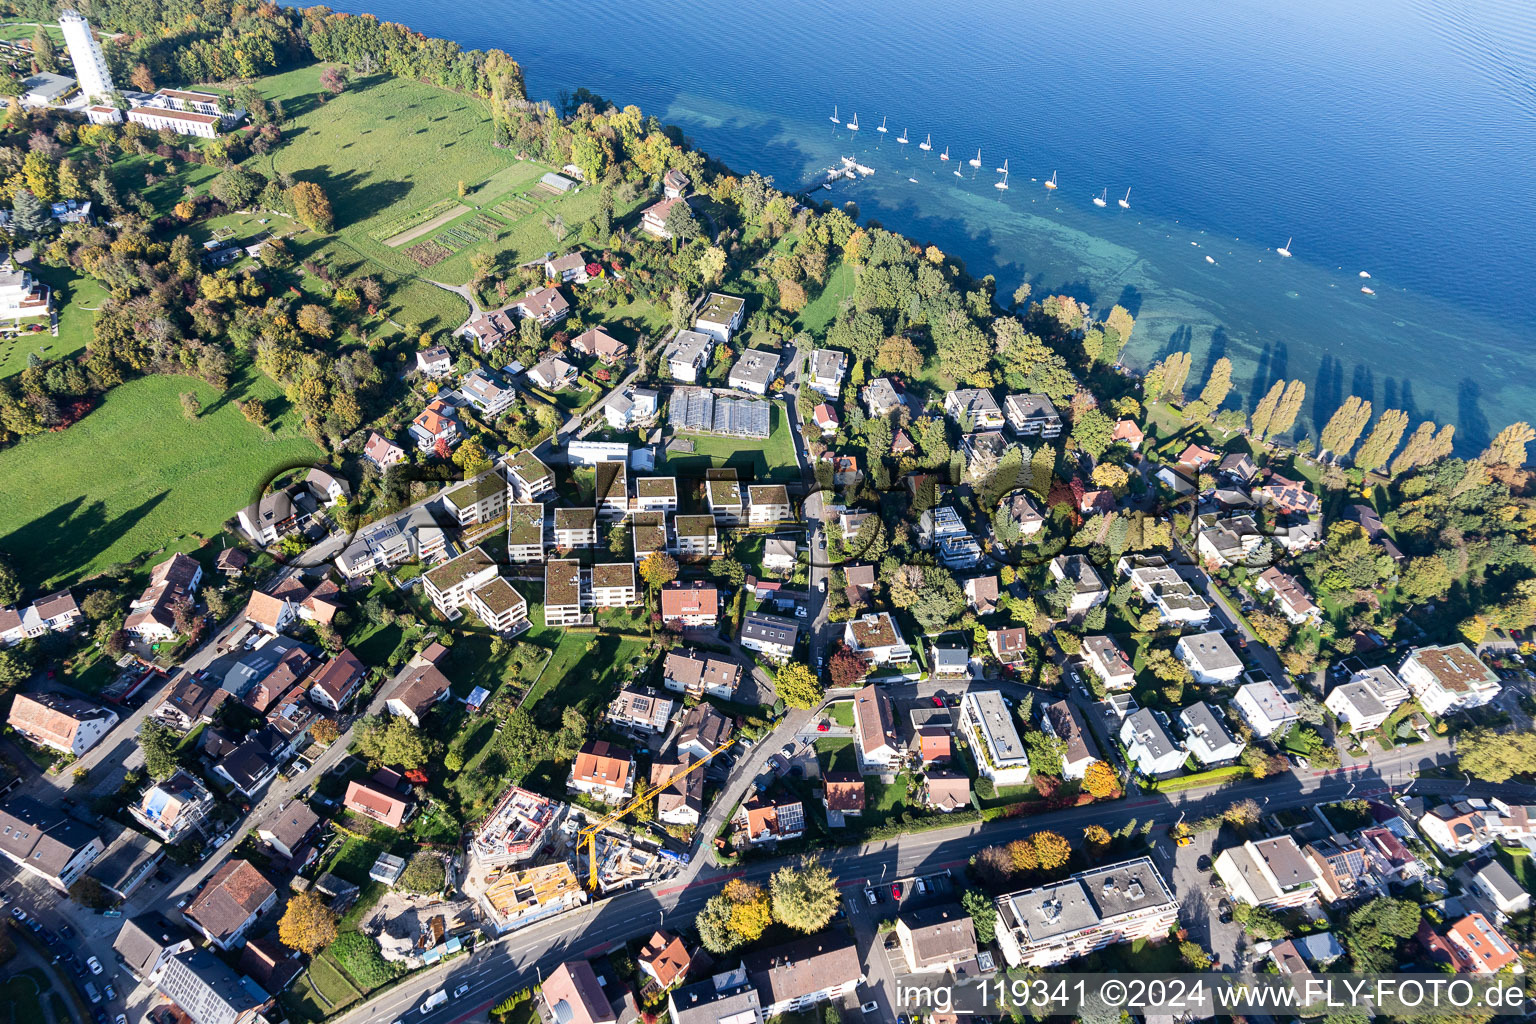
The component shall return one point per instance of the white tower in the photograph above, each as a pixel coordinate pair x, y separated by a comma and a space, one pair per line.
85, 52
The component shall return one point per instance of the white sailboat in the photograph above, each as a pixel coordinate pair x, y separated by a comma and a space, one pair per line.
1004, 183
1102, 199
902, 138
1368, 290
853, 125
1285, 250
1052, 183
1125, 204
976, 161
833, 118
881, 129
926, 144
1365, 273
944, 155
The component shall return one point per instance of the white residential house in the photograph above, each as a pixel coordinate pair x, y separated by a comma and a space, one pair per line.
724, 495
1295, 602
990, 728
1032, 415
697, 536
1269, 873
688, 354
828, 368
480, 500
1161, 586
568, 269
767, 504
1109, 662
773, 636
1494, 883
1209, 657
755, 371
1149, 745
525, 533
528, 478
487, 392
433, 424
630, 406
1367, 699
575, 528
1088, 590
656, 494
874, 729
880, 397
877, 637
1448, 678
66, 724
648, 532
780, 555
1206, 735
449, 585
975, 405
382, 452
1266, 710
613, 585
552, 373
720, 316
436, 361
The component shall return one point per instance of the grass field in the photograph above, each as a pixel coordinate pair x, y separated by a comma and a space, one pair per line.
576, 676
77, 298
387, 174
773, 459
822, 310
135, 474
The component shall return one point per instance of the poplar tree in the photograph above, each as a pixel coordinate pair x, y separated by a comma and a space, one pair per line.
1423, 447
1218, 384
1175, 373
1344, 426
1287, 410
1264, 412
1378, 448
1508, 449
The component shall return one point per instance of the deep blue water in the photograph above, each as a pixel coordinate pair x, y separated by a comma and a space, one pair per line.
1392, 136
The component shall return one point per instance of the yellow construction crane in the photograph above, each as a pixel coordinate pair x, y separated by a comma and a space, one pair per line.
588, 835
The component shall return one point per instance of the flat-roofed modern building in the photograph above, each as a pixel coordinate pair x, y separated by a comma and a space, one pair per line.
994, 736
1054, 923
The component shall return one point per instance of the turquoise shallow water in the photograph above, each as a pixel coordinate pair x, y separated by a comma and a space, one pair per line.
1391, 136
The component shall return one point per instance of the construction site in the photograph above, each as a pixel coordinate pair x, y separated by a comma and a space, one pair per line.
521, 825
512, 898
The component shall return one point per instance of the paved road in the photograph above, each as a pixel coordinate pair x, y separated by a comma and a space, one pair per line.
518, 959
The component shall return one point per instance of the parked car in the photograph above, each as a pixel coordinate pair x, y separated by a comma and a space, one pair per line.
68, 932
1204, 863
870, 1007
869, 894
896, 892
822, 726
94, 965
109, 990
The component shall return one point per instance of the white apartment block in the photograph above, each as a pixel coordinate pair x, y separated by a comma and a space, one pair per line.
500, 606
562, 592
85, 54
994, 737
613, 585
575, 528
1448, 678
656, 494
1266, 710
1062, 920
450, 584
525, 533
697, 536
768, 504
528, 477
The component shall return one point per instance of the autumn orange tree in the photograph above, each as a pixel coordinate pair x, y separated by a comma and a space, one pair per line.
1097, 838
1100, 780
311, 206
1051, 849
308, 924
750, 912
324, 732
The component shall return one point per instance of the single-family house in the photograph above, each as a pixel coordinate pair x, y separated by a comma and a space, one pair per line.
229, 904
172, 584
546, 305
604, 771
376, 801
770, 819
552, 373
1206, 736
1063, 721
641, 709
1296, 604
433, 424
772, 636
877, 638
1148, 744
1107, 660
880, 397
937, 939
1209, 657
630, 406
993, 734
436, 361
697, 674
874, 726
1264, 707
1087, 589
827, 370
568, 269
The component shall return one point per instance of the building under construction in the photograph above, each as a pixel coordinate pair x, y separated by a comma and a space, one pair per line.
623, 861
517, 829
512, 898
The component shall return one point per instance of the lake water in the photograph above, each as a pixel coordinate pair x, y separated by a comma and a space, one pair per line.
1391, 136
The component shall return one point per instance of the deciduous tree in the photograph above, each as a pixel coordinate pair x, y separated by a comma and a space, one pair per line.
311, 206
804, 896
797, 686
1345, 426
1218, 384
658, 569
392, 741
308, 925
